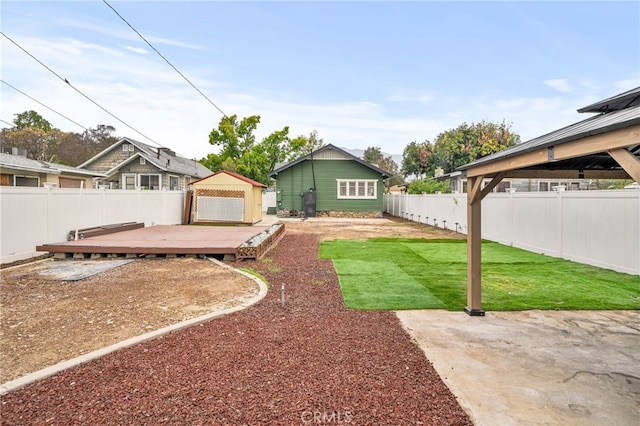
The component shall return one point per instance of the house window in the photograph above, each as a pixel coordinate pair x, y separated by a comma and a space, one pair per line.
503, 186
174, 183
26, 181
143, 161
127, 147
357, 189
129, 181
150, 182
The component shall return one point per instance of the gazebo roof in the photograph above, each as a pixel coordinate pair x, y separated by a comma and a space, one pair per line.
624, 116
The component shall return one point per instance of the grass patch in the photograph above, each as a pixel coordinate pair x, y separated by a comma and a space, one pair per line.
256, 274
396, 274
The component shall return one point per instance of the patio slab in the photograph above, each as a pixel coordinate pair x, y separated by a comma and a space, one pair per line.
536, 367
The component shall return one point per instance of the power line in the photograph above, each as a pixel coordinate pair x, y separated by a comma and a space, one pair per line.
77, 90
165, 59
6, 122
50, 109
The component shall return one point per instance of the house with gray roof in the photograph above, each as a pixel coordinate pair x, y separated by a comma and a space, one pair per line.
130, 164
18, 170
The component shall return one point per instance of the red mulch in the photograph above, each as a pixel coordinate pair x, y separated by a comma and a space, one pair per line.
311, 362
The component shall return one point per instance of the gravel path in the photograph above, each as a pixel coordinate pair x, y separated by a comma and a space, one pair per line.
309, 362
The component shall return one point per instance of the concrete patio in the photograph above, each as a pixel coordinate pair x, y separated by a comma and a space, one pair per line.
536, 367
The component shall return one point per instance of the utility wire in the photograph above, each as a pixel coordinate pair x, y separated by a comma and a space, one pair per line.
165, 59
50, 109
77, 90
6, 122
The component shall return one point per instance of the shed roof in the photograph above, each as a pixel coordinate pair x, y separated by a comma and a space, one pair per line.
233, 174
384, 173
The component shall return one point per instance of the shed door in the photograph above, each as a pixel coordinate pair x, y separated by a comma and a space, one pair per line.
220, 208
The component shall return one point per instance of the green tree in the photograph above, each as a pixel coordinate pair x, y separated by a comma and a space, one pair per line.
417, 159
31, 119
428, 186
312, 143
373, 155
240, 151
469, 142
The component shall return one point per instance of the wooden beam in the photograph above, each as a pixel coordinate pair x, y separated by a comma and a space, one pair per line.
474, 246
494, 182
567, 174
474, 187
603, 142
628, 161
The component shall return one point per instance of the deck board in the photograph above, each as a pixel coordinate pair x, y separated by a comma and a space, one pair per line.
162, 239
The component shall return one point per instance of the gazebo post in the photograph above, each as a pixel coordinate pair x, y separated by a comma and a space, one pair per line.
474, 245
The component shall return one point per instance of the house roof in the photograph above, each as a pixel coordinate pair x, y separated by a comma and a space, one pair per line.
326, 148
601, 123
235, 175
19, 162
163, 158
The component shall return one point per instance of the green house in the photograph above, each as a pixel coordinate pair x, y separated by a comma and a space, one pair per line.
329, 182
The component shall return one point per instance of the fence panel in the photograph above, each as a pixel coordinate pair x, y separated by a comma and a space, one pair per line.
33, 216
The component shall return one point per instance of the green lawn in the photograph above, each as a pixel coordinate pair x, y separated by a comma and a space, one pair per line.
395, 274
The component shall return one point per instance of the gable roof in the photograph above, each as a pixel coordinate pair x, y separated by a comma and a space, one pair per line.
330, 147
19, 162
235, 175
601, 123
163, 158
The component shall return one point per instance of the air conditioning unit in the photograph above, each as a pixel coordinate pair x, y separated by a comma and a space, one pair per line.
50, 185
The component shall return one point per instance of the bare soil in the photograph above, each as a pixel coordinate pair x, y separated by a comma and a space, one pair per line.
45, 320
310, 361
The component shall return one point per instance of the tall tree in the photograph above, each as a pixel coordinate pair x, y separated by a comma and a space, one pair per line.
312, 143
417, 159
468, 142
31, 119
38, 144
374, 155
239, 149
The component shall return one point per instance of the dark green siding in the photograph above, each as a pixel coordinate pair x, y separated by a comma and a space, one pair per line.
294, 181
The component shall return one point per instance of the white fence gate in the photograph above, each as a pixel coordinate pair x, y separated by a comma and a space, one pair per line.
600, 228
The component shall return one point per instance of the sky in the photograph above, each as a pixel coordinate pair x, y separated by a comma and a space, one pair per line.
361, 73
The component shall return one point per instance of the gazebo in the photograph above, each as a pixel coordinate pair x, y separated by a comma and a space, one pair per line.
604, 146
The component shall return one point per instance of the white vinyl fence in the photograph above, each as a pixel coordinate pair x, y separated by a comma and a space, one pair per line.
34, 216
600, 228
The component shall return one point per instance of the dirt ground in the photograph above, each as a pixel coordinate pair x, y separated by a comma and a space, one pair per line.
45, 319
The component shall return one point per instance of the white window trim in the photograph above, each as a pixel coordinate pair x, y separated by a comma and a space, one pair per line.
177, 177
143, 160
139, 180
15, 179
368, 183
124, 180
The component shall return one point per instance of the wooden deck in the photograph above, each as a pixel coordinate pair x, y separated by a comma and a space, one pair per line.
166, 240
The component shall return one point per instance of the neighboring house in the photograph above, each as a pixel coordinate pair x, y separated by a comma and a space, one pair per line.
129, 164
18, 170
227, 197
458, 182
329, 182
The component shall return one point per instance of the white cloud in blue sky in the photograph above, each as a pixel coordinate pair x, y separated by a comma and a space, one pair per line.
360, 73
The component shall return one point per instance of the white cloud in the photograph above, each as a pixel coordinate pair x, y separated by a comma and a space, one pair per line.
135, 50
559, 84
